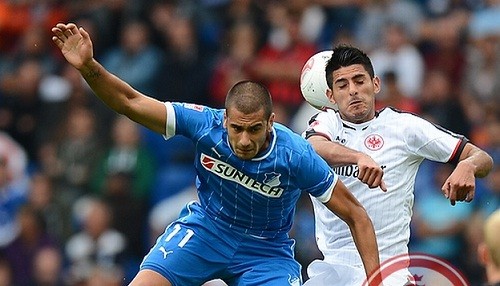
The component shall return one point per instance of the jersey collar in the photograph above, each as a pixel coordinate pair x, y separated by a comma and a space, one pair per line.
269, 148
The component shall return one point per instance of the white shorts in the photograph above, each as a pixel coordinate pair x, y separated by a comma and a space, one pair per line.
322, 273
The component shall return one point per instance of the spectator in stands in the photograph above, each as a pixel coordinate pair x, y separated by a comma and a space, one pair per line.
135, 59
97, 244
235, 60
392, 96
441, 104
279, 62
48, 267
5, 272
399, 55
22, 251
13, 186
44, 198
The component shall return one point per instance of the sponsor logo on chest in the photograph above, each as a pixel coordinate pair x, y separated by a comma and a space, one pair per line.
270, 187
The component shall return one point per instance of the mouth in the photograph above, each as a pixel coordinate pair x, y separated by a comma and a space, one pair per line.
244, 151
355, 102
244, 154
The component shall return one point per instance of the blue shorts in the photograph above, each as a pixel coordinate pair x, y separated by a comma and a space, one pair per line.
193, 250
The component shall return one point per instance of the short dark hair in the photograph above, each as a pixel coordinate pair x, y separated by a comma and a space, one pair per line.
343, 56
249, 97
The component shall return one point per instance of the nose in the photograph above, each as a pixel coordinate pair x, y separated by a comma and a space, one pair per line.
353, 90
245, 139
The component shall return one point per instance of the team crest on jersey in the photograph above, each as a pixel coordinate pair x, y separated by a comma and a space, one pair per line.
374, 142
196, 107
269, 188
272, 179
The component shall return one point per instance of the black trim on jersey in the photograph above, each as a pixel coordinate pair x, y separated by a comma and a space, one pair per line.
456, 154
400, 111
347, 126
313, 118
310, 133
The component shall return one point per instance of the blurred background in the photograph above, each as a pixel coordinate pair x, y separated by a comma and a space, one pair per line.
84, 192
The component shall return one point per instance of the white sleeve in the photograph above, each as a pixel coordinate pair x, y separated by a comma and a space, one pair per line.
322, 124
170, 124
433, 142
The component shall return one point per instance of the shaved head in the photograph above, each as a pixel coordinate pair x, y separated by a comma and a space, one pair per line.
249, 97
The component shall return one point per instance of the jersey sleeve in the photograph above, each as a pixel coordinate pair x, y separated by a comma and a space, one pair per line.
315, 176
434, 142
320, 125
188, 119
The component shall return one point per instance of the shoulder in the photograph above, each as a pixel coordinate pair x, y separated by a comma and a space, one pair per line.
328, 116
197, 110
404, 117
286, 138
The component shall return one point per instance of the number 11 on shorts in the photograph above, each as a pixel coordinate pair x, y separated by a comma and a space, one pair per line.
185, 239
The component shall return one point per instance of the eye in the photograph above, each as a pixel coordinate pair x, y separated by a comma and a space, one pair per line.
255, 129
237, 128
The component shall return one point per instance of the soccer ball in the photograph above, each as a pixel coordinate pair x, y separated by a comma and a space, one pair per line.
313, 81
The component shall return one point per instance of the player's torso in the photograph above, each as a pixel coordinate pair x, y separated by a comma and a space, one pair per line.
257, 194
383, 139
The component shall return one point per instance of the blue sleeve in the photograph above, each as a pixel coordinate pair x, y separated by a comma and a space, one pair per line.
315, 176
191, 120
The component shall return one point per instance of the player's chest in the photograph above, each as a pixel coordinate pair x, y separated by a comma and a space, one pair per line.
365, 139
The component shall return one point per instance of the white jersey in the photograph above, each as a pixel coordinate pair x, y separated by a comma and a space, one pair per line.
398, 142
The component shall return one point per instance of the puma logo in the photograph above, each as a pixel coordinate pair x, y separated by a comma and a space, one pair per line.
165, 252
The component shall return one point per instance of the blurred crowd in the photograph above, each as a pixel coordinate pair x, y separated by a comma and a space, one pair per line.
84, 191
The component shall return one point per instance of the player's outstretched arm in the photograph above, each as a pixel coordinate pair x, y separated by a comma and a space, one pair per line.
348, 208
461, 184
76, 46
336, 154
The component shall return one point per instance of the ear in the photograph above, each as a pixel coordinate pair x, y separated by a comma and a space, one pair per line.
329, 95
224, 123
271, 120
376, 84
483, 255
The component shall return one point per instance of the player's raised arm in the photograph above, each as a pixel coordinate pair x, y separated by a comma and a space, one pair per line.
348, 208
76, 46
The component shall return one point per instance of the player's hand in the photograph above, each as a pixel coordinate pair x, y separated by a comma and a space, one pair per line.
370, 173
461, 184
74, 43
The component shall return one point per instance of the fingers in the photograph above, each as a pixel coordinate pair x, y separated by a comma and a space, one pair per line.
64, 31
73, 29
383, 187
372, 178
84, 34
58, 42
458, 193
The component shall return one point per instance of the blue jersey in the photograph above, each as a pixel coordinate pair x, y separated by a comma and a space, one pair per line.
257, 196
